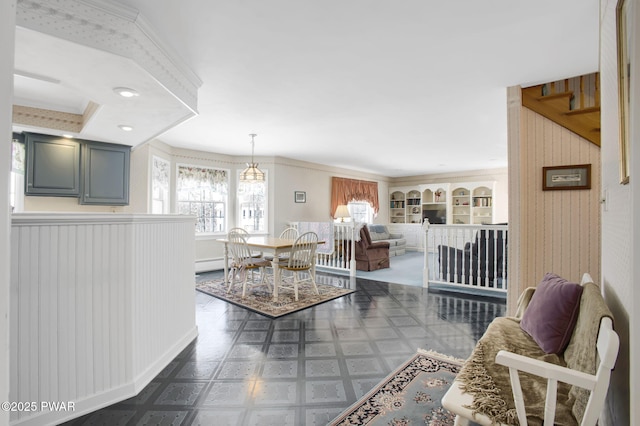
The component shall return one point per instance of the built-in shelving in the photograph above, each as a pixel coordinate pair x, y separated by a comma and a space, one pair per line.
446, 203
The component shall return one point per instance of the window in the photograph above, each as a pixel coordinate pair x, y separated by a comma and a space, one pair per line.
160, 185
252, 206
344, 191
360, 211
203, 192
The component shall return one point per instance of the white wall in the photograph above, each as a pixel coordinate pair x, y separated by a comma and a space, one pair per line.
315, 180
7, 35
621, 221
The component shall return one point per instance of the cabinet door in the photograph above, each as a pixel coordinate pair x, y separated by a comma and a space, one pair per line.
53, 166
105, 174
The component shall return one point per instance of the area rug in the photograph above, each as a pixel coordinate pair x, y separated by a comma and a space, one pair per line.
409, 396
259, 299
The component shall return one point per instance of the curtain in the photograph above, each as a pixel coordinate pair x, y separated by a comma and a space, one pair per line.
345, 190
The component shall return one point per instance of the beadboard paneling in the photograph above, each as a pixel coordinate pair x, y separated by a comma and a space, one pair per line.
556, 231
100, 304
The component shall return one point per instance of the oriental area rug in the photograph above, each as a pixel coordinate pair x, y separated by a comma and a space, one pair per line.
409, 396
259, 299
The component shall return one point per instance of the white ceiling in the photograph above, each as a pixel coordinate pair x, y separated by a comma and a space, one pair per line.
397, 88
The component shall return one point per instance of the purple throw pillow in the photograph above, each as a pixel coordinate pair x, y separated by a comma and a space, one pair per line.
552, 313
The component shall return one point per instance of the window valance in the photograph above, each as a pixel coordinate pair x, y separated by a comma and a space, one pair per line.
345, 190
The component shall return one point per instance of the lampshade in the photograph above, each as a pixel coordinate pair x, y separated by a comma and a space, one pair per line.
341, 212
252, 173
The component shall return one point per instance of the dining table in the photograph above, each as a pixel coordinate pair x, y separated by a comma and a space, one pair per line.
273, 245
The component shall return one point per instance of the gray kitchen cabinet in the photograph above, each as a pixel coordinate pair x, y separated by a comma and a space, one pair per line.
105, 172
53, 166
95, 172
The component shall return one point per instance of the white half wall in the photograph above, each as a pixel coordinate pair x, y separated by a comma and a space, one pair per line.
100, 304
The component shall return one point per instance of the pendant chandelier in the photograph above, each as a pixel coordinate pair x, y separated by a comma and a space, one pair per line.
252, 173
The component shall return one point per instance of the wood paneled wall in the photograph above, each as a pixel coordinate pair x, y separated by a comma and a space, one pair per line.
551, 231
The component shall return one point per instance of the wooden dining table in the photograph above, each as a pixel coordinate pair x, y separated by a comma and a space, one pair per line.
272, 245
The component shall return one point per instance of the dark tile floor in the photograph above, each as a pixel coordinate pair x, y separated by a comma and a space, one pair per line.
304, 368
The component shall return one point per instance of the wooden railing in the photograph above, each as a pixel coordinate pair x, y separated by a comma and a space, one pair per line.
344, 237
573, 103
471, 258
468, 258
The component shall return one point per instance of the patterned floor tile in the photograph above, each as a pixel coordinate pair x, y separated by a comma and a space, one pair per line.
275, 393
356, 348
162, 418
197, 370
319, 350
180, 394
322, 368
281, 336
303, 369
321, 416
284, 417
382, 333
237, 370
228, 394
280, 369
364, 366
108, 417
283, 351
219, 417
393, 347
325, 391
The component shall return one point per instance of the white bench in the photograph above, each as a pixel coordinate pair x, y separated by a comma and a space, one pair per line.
460, 403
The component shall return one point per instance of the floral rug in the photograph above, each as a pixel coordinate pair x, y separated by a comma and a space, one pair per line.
259, 299
409, 396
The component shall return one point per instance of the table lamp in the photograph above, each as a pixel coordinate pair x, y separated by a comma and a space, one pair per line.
341, 212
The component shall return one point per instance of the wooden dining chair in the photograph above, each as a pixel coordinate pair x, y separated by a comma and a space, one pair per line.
302, 258
246, 235
289, 233
244, 264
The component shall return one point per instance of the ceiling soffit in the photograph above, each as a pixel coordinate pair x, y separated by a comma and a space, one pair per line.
120, 31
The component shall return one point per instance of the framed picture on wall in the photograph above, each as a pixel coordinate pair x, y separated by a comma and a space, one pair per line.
566, 177
624, 72
300, 196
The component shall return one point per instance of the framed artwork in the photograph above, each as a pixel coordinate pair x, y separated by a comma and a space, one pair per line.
566, 177
300, 196
624, 73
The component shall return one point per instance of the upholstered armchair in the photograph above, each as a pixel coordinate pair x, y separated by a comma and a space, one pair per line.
370, 255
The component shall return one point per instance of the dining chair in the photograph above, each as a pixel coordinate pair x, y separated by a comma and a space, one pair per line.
242, 262
302, 258
246, 235
289, 233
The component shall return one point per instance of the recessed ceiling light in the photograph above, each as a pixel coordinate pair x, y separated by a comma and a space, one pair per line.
125, 92
68, 136
125, 127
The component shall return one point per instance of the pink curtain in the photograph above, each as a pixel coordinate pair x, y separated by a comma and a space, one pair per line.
345, 190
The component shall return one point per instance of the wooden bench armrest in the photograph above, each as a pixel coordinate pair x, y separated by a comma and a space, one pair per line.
546, 370
553, 373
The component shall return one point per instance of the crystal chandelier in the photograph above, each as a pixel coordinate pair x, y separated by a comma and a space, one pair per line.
252, 173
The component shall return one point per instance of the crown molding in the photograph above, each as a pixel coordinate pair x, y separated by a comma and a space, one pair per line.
116, 29
47, 118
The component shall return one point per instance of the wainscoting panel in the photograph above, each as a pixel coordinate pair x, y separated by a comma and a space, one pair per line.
553, 231
100, 304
